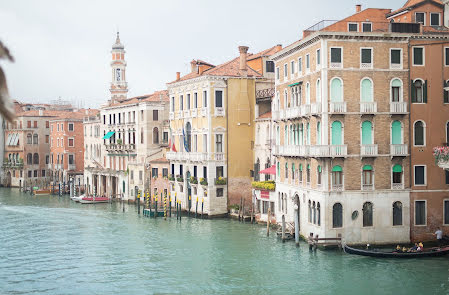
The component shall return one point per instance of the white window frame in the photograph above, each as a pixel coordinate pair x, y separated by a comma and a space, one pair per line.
391, 173
424, 133
73, 127
68, 142
367, 23
414, 213
372, 178
401, 90
424, 18
285, 70
439, 19
400, 67
372, 58
293, 68
318, 58
300, 66
423, 56
425, 175
357, 24
222, 143
308, 67
277, 73
336, 65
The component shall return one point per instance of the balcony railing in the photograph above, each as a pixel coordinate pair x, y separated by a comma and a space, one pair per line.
192, 157
368, 107
305, 110
398, 150
219, 156
397, 186
219, 112
120, 147
337, 187
338, 107
398, 107
367, 187
315, 108
194, 113
204, 112
290, 113
332, 151
171, 115
186, 113
178, 114
72, 167
369, 150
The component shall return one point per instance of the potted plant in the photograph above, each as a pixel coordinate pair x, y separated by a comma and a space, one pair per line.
193, 180
119, 141
203, 181
220, 181
171, 177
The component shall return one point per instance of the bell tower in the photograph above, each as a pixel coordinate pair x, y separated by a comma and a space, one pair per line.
119, 86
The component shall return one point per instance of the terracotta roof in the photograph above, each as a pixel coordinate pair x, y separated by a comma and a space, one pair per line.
156, 96
266, 52
410, 4
160, 160
266, 115
375, 16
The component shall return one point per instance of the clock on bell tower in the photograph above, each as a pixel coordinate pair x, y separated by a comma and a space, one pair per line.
119, 86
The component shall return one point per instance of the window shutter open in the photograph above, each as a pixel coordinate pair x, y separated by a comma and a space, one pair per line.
412, 91
425, 92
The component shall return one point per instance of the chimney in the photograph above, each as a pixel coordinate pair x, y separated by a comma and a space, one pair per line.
279, 46
178, 76
243, 51
446, 13
358, 8
193, 66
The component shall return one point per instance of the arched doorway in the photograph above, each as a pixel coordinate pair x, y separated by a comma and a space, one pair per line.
8, 179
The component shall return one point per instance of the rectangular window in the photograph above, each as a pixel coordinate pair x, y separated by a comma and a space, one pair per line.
47, 159
47, 124
446, 176
62, 126
285, 70
353, 27
47, 138
204, 143
43, 173
366, 56
395, 93
420, 17
308, 62
35, 173
71, 127
188, 101
132, 175
367, 27
292, 66
71, 160
155, 115
35, 126
71, 142
446, 56
446, 211
140, 175
29, 124
420, 175
265, 207
300, 65
418, 56
165, 137
218, 99
367, 177
204, 99
195, 100
395, 57
220, 192
181, 102
435, 19
30, 173
164, 172
219, 143
270, 66
420, 212
172, 104
318, 57
336, 55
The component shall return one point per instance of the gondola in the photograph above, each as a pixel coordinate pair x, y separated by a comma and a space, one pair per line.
430, 252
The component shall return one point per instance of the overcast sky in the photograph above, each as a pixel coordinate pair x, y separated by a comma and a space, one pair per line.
62, 48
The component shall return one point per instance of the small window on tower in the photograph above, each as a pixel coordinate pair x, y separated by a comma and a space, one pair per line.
118, 74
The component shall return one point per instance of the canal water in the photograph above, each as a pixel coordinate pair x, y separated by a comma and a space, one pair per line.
51, 245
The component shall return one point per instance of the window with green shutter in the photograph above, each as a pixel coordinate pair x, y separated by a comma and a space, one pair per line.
318, 133
367, 133
367, 90
396, 133
336, 133
336, 90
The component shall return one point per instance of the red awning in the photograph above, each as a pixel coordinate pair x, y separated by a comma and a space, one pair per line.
271, 170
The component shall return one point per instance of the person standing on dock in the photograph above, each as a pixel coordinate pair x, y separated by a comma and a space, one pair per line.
439, 234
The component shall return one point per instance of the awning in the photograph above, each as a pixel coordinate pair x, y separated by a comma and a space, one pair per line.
397, 168
294, 84
109, 135
271, 170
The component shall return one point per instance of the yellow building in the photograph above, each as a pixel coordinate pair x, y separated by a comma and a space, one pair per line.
212, 113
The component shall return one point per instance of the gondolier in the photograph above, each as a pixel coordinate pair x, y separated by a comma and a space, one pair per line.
439, 234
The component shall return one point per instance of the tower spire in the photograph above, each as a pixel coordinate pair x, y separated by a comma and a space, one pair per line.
119, 86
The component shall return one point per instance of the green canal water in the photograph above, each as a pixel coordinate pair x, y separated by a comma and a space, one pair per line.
51, 245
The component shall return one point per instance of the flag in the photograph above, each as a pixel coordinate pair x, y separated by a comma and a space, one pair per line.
172, 142
186, 147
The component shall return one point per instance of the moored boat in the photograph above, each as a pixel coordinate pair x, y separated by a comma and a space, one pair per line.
77, 198
41, 192
429, 252
94, 200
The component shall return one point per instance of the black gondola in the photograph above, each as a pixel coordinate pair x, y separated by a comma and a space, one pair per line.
431, 252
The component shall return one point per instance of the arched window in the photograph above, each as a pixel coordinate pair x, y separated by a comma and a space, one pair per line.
286, 103
35, 139
336, 90
189, 136
300, 173
397, 213
278, 166
301, 134
307, 93
337, 215
295, 138
29, 138
278, 136
318, 218
291, 135
155, 135
308, 133
366, 90
310, 211
367, 177
308, 174
419, 133
419, 91
318, 90
285, 135
318, 133
396, 90
368, 214
336, 133
293, 171
337, 177
29, 159
279, 202
367, 133
396, 132
397, 176
36, 159
318, 171
314, 212
286, 171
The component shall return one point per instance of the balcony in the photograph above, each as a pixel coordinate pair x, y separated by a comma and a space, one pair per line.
178, 114
120, 147
305, 110
315, 109
220, 181
292, 150
368, 150
338, 107
367, 187
186, 113
368, 107
171, 115
397, 186
398, 150
192, 157
72, 167
291, 113
204, 112
219, 156
275, 116
194, 113
219, 112
328, 151
12, 165
337, 187
398, 107
336, 65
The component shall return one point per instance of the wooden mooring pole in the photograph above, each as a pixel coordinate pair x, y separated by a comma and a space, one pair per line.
202, 207
196, 208
283, 228
268, 221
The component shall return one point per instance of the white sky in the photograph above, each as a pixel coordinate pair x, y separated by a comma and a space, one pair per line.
62, 48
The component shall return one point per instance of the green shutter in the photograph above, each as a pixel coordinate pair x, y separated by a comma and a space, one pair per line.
396, 133
318, 133
412, 91
337, 169
367, 90
336, 133
367, 137
308, 167
425, 92
293, 167
300, 167
319, 169
397, 168
367, 167
336, 90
